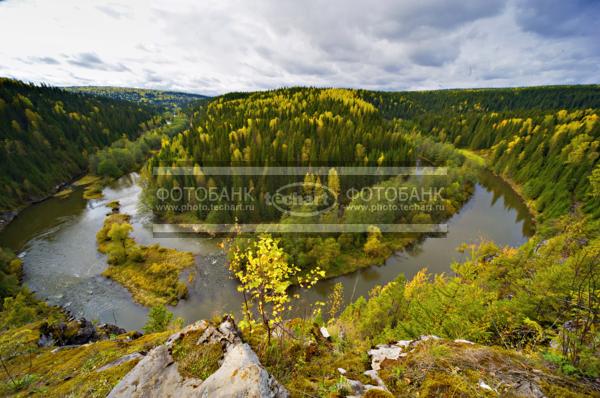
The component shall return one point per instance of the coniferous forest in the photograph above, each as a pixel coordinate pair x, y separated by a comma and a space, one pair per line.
48, 134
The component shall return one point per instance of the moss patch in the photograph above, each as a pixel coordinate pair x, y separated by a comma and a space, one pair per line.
93, 191
87, 180
474, 157
445, 368
197, 361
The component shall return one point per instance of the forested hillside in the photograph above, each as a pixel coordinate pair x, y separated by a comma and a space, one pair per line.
413, 104
532, 136
291, 127
163, 99
321, 129
47, 135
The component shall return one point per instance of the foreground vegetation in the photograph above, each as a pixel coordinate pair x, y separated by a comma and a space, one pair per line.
151, 273
71, 371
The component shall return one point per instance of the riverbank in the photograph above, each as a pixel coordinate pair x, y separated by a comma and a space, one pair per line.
481, 158
7, 216
62, 265
350, 261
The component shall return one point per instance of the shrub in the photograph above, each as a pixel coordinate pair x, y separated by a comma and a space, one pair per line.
159, 319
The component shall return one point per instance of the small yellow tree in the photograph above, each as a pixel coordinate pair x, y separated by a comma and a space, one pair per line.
265, 276
119, 236
333, 182
374, 247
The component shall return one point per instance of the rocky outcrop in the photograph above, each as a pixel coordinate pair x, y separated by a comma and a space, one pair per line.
379, 355
432, 366
75, 332
399, 349
240, 373
6, 217
156, 375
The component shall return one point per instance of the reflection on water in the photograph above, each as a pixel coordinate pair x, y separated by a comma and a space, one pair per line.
494, 212
63, 266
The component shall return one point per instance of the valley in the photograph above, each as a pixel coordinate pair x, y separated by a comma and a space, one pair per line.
514, 247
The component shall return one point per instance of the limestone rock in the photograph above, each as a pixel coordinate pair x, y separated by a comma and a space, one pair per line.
527, 388
463, 341
156, 376
239, 375
383, 352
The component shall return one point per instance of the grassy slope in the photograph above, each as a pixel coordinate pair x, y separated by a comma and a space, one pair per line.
68, 371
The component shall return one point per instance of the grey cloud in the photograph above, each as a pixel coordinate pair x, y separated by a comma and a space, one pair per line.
426, 57
435, 53
114, 10
152, 77
215, 47
393, 67
40, 60
412, 18
341, 36
496, 74
558, 18
92, 61
81, 80
303, 68
87, 60
47, 60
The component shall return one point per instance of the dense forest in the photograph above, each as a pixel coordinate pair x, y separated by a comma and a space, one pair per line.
414, 104
529, 135
297, 127
124, 155
524, 134
532, 136
321, 130
47, 135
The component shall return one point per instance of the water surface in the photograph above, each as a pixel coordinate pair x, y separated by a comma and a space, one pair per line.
57, 241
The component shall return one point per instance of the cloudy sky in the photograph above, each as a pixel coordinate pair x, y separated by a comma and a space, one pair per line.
213, 47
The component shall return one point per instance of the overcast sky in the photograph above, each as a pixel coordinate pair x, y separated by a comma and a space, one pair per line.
213, 47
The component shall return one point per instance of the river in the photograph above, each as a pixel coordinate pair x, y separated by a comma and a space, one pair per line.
57, 242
